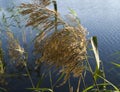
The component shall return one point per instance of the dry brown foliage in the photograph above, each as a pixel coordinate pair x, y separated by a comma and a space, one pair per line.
42, 2
64, 48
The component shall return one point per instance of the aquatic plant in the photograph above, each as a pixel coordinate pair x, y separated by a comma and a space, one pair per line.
15, 50
60, 44
63, 46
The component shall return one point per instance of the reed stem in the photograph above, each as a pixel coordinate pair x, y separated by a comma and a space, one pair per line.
55, 9
95, 83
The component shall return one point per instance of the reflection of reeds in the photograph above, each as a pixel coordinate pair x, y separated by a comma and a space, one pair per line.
64, 48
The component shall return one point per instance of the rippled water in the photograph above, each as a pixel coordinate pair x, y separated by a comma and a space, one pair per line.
102, 19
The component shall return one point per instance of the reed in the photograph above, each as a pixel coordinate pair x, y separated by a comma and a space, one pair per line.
60, 44
64, 48
14, 49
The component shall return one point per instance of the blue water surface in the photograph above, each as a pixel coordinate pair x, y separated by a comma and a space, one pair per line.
102, 19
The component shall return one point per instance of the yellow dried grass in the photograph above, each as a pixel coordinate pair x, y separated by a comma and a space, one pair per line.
65, 48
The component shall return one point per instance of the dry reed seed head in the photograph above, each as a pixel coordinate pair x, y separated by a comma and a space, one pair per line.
14, 48
64, 49
40, 16
42, 2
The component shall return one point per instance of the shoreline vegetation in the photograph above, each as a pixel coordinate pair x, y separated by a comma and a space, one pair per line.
60, 46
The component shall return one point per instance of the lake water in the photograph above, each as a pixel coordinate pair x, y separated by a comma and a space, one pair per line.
102, 19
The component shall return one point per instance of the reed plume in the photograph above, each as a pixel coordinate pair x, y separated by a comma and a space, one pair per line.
65, 47
14, 49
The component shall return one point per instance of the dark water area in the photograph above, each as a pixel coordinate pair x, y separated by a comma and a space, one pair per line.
101, 18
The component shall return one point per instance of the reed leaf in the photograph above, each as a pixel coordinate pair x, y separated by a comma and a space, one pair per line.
94, 44
40, 81
117, 65
90, 88
115, 87
73, 12
41, 89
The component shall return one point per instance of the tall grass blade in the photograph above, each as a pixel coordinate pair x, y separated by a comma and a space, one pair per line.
117, 65
51, 81
92, 87
40, 81
41, 89
75, 15
94, 44
116, 88
73, 12
78, 87
60, 77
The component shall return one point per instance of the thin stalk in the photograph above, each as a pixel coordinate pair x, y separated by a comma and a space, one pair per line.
55, 9
69, 84
51, 82
92, 74
24, 37
78, 87
117, 89
26, 68
83, 81
29, 76
70, 87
